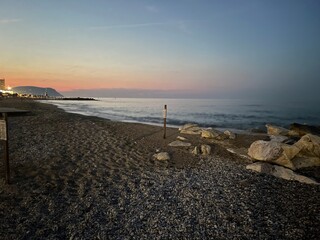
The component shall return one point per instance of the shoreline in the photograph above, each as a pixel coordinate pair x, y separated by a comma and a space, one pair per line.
76, 176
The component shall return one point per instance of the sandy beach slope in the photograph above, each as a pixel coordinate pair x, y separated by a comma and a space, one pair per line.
78, 177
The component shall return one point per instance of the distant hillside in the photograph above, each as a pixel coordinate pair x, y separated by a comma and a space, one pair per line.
36, 91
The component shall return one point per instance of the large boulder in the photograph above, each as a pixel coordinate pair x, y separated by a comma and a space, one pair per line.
302, 129
304, 153
269, 152
279, 172
265, 151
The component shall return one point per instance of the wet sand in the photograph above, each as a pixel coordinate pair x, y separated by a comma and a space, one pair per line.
80, 177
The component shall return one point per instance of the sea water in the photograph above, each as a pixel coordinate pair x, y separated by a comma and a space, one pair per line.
218, 113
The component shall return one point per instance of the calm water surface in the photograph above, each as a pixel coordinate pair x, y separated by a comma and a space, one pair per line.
219, 113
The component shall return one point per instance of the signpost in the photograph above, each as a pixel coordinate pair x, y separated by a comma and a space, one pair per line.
4, 140
164, 121
4, 135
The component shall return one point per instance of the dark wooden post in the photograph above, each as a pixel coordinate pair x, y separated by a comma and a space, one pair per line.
164, 121
4, 138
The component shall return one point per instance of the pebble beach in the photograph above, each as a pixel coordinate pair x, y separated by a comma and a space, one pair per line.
82, 177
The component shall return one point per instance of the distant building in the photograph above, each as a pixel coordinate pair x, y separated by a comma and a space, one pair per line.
2, 84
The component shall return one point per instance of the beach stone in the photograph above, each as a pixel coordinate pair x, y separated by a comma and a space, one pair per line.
178, 143
275, 130
196, 150
265, 151
191, 131
231, 135
162, 156
304, 153
182, 138
211, 134
205, 150
269, 152
190, 128
279, 172
187, 126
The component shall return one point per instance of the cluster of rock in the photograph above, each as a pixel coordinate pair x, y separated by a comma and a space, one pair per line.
286, 151
194, 129
208, 133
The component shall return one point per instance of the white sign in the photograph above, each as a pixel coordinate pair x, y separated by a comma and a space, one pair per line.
3, 130
164, 113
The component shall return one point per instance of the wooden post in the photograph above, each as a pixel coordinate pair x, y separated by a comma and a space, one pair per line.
164, 121
4, 138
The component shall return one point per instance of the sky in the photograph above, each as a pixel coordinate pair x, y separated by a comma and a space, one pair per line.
184, 48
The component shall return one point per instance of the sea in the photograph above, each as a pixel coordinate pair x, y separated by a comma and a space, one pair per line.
237, 114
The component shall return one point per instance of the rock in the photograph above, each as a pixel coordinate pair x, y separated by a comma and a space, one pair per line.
293, 133
275, 130
162, 156
265, 151
191, 131
240, 152
196, 151
279, 172
304, 153
190, 128
231, 135
278, 138
205, 150
181, 138
269, 152
187, 126
302, 129
231, 150
179, 144
207, 134
211, 134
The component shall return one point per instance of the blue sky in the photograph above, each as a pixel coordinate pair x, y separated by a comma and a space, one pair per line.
203, 48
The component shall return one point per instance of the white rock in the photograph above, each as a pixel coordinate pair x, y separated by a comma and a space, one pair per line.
179, 144
182, 138
187, 126
269, 152
279, 172
265, 151
210, 134
196, 151
192, 131
231, 135
205, 149
162, 156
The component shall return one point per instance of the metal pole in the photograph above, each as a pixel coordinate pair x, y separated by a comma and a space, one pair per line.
164, 121
6, 150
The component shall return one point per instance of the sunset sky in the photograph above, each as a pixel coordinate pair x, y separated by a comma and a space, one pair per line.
208, 48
